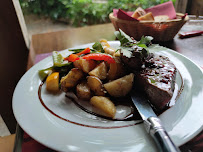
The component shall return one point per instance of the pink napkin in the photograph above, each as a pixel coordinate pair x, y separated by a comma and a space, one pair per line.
166, 8
123, 15
163, 9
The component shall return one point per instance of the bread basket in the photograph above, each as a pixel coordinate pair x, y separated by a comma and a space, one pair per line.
160, 31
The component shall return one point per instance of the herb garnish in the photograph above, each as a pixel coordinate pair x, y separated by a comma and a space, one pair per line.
98, 47
122, 37
128, 44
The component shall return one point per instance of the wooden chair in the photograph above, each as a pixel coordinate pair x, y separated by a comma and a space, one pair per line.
14, 54
14, 44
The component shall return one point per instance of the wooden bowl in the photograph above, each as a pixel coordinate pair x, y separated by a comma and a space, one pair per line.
160, 31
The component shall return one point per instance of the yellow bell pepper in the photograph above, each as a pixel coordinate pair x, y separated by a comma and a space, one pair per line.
52, 82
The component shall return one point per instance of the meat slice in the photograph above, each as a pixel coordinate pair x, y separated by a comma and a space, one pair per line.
157, 79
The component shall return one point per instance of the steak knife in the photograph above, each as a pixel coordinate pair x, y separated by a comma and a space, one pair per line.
152, 123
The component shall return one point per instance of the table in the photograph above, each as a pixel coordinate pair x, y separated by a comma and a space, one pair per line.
189, 47
55, 41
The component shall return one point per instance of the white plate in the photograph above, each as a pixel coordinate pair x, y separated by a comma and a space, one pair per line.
82, 132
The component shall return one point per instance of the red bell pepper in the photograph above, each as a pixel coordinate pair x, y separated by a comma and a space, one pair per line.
74, 57
85, 51
97, 56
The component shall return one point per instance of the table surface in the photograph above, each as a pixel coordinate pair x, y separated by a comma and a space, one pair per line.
60, 40
54, 41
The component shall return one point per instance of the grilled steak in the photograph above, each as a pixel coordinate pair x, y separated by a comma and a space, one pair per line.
157, 79
154, 74
137, 58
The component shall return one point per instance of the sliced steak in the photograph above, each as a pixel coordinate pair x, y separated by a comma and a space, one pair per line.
157, 79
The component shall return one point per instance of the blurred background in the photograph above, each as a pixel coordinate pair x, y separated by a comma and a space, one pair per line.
61, 14
52, 15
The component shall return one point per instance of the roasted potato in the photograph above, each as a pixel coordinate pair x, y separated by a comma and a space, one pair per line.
100, 71
116, 70
71, 79
83, 91
77, 64
120, 87
112, 73
104, 104
85, 65
52, 82
95, 85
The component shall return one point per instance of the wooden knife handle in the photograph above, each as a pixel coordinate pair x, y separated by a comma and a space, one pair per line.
161, 137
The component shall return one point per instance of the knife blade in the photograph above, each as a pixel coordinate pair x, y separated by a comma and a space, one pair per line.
152, 123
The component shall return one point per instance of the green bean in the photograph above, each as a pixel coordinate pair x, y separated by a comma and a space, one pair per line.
44, 72
57, 59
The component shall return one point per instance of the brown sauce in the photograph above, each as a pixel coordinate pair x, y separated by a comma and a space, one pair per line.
76, 123
134, 115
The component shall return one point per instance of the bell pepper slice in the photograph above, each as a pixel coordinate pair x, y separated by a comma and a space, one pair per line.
74, 57
52, 82
44, 73
99, 57
85, 51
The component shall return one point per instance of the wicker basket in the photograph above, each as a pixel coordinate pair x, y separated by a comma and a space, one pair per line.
160, 31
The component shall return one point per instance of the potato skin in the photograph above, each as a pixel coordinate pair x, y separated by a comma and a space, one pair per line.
85, 65
71, 79
83, 91
95, 85
116, 70
104, 104
120, 87
100, 71
77, 64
